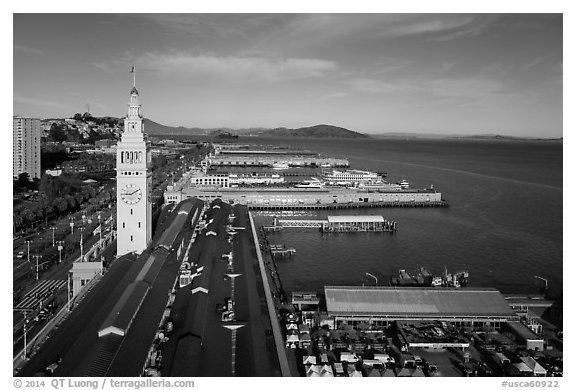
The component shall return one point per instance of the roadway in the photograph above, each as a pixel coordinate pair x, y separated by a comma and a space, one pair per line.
57, 276
76, 340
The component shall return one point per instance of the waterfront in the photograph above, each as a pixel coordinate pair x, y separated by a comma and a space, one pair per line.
504, 223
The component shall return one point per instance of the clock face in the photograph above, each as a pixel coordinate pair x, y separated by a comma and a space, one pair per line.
131, 194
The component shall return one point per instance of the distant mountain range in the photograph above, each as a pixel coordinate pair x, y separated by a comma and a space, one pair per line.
479, 137
318, 131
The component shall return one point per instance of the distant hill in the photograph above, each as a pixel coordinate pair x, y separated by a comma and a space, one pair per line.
476, 137
155, 128
318, 131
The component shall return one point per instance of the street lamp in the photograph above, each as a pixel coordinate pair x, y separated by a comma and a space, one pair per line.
72, 224
28, 244
68, 282
25, 311
53, 229
60, 247
37, 257
81, 243
375, 278
100, 227
83, 217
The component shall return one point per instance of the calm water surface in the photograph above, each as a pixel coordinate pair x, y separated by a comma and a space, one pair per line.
504, 223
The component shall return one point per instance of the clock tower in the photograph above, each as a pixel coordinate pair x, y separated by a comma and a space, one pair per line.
133, 183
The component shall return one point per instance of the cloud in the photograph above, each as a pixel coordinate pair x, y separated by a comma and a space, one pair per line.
330, 96
474, 88
387, 65
466, 89
474, 25
217, 25
381, 87
103, 67
234, 67
534, 62
26, 49
37, 102
448, 65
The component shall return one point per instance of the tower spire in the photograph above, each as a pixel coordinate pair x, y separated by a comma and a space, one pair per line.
133, 71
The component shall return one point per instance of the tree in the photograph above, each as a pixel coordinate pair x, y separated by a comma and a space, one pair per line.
48, 187
23, 181
28, 216
57, 133
160, 161
17, 221
61, 205
79, 198
71, 201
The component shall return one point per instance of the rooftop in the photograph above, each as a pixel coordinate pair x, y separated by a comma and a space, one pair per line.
416, 301
355, 218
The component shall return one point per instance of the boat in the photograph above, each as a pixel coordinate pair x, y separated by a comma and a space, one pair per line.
312, 183
425, 279
404, 184
280, 165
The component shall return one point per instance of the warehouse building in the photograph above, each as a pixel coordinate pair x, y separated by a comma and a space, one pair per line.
380, 306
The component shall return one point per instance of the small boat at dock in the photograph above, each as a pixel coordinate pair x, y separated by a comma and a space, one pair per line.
423, 278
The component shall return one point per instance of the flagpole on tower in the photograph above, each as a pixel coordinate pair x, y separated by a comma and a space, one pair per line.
133, 71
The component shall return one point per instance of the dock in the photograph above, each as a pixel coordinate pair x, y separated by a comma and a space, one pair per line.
281, 250
337, 224
338, 206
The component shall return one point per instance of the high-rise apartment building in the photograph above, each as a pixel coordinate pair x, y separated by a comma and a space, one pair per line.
26, 133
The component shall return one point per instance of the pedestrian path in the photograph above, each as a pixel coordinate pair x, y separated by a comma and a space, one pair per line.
43, 290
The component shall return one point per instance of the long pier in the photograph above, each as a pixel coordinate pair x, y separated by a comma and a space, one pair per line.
338, 224
303, 223
278, 337
340, 206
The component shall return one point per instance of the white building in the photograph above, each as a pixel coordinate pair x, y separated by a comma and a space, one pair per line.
26, 147
217, 179
133, 183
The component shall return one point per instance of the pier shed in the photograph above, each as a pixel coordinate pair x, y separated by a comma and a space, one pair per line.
361, 223
380, 306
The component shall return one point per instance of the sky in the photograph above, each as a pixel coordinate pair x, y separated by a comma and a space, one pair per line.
372, 73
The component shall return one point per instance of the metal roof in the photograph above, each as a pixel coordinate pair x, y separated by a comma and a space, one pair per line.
355, 218
416, 301
121, 316
523, 331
